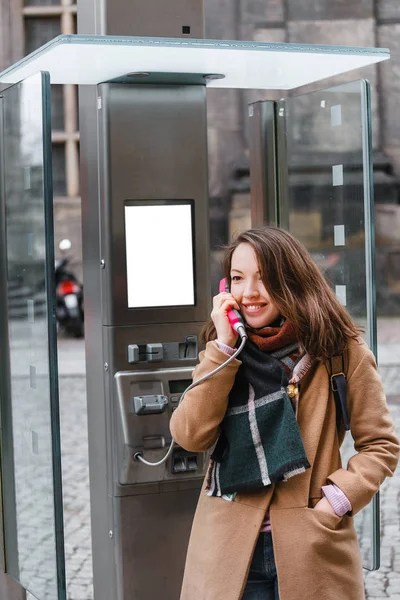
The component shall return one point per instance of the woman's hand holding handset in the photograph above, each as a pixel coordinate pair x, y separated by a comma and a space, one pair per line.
222, 303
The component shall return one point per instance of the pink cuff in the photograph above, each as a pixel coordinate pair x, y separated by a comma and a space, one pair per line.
225, 348
337, 499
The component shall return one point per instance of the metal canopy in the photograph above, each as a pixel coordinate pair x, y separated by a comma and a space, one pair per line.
81, 59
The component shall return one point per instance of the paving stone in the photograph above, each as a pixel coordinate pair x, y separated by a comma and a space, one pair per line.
392, 531
79, 593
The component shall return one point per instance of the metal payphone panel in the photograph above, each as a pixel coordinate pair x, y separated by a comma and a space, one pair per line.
152, 158
154, 161
146, 401
153, 540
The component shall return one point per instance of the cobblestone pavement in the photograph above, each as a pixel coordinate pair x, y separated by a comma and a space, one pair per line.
382, 584
75, 473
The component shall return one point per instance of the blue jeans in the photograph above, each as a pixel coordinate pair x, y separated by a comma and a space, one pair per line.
262, 582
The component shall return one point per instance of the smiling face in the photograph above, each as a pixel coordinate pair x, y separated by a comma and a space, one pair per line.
248, 289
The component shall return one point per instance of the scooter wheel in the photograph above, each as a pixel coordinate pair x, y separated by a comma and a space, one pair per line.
77, 329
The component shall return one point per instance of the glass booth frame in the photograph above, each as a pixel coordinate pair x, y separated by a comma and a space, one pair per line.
21, 70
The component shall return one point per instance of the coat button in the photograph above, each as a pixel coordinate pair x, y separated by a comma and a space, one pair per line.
292, 390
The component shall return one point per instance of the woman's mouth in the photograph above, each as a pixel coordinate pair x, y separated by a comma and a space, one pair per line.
253, 308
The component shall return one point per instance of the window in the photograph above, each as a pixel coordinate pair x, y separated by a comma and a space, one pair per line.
44, 20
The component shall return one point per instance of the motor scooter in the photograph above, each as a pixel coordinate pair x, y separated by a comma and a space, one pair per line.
69, 296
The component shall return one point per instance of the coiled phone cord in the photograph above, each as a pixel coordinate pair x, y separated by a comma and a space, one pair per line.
139, 455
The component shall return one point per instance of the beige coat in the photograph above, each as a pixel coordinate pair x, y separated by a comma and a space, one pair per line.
316, 554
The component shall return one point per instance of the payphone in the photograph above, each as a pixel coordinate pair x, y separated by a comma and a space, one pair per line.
146, 250
147, 191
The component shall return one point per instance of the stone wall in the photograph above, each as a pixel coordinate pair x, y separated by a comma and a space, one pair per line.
11, 32
366, 23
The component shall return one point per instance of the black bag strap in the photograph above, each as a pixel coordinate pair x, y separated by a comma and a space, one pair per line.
339, 387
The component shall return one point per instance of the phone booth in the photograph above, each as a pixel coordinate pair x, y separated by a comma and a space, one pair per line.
147, 278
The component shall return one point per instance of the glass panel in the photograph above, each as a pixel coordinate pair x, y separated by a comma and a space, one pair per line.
39, 31
328, 207
254, 65
57, 107
59, 174
31, 440
229, 214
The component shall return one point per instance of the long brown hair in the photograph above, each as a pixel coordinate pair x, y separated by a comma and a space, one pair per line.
298, 289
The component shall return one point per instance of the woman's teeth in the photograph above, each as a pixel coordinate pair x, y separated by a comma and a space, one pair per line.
254, 307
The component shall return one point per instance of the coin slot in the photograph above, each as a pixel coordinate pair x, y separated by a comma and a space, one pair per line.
184, 462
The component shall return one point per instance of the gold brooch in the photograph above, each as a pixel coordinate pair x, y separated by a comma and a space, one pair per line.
292, 390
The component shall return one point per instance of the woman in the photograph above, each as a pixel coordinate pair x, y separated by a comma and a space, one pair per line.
275, 515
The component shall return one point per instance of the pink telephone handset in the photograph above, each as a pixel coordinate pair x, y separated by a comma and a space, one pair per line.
234, 316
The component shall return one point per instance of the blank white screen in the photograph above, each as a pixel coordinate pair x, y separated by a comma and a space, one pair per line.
159, 255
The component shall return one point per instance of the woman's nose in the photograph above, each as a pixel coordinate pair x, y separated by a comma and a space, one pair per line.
250, 290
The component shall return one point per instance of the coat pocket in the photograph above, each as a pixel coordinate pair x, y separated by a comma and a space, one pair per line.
316, 555
329, 520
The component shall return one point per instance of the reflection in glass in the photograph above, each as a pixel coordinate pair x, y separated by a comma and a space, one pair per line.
33, 533
327, 207
39, 31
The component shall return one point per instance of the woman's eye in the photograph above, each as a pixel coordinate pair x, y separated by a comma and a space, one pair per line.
235, 278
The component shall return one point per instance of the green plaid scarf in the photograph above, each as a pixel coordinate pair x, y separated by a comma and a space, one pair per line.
260, 441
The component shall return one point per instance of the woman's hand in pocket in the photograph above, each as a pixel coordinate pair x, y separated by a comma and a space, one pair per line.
324, 506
